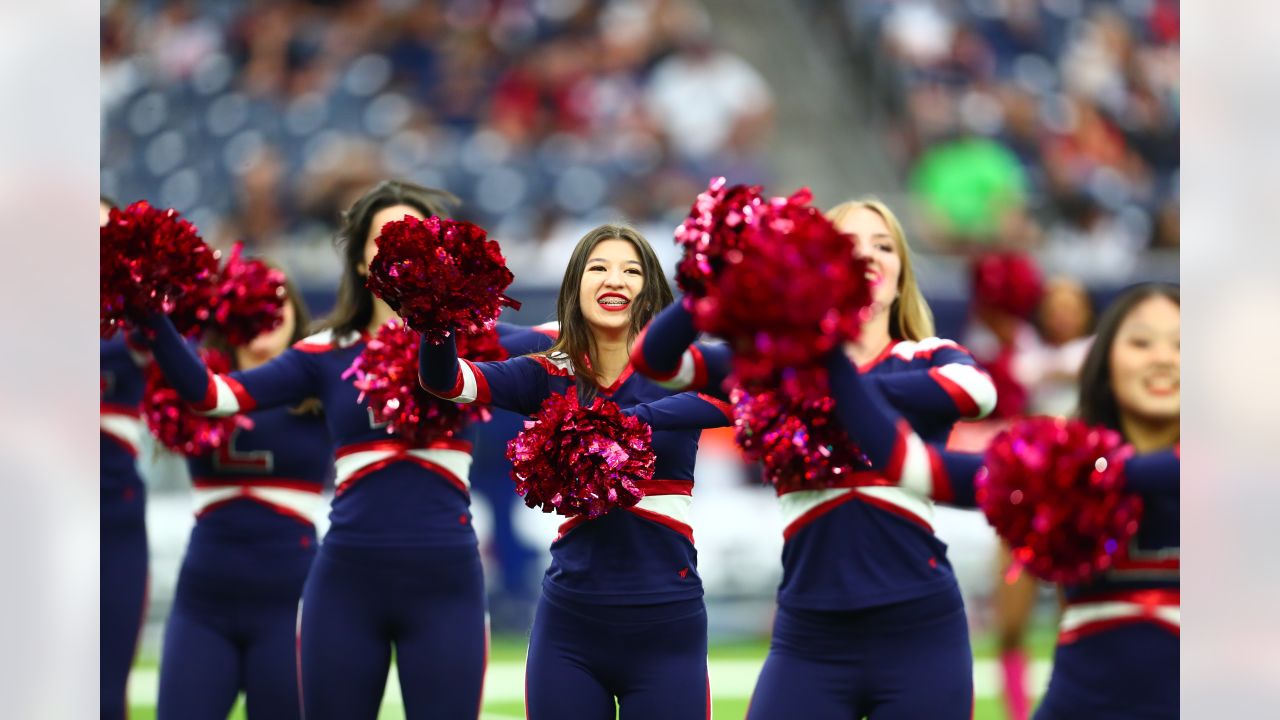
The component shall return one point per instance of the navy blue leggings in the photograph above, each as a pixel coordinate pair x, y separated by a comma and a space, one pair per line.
123, 591
1130, 671
652, 659
904, 661
428, 603
234, 627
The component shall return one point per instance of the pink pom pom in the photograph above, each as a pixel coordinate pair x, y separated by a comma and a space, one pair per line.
575, 460
775, 279
793, 432
1052, 489
175, 424
386, 374
243, 301
712, 234
440, 275
149, 258
1007, 281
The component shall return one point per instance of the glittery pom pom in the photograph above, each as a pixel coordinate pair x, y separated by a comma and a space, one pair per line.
774, 278
574, 460
794, 433
241, 302
175, 424
440, 275
386, 373
1052, 488
149, 259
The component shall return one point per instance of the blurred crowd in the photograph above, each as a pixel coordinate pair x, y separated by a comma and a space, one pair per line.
262, 120
1045, 124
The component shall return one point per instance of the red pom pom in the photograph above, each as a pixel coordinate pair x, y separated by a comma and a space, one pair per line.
149, 258
1007, 281
712, 234
243, 301
777, 280
1052, 489
575, 460
440, 275
793, 432
387, 375
175, 424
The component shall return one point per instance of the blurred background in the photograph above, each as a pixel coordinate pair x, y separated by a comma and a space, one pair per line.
1030, 147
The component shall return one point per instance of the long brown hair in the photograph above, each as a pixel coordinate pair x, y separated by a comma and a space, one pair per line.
1097, 397
909, 317
576, 340
354, 307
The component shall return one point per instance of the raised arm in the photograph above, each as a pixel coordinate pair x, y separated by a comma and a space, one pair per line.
952, 388
520, 340
892, 446
286, 379
518, 384
686, 411
666, 353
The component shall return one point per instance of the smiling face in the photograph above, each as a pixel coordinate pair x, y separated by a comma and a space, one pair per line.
874, 241
1146, 362
611, 281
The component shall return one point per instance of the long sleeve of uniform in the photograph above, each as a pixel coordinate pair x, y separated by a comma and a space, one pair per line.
287, 379
685, 411
518, 384
1154, 473
953, 387
519, 340
892, 446
666, 353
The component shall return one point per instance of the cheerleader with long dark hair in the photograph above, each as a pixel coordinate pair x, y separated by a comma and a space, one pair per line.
621, 628
399, 568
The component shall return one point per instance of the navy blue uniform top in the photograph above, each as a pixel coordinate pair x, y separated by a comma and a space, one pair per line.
122, 430
851, 547
388, 492
1143, 582
265, 482
639, 555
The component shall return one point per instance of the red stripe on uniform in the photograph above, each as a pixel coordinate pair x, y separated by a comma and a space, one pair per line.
1154, 597
117, 409
964, 401
699, 368
206, 483
814, 513
661, 519
666, 487
483, 395
893, 468
719, 404
899, 511
210, 399
941, 490
643, 366
1069, 636
242, 396
281, 509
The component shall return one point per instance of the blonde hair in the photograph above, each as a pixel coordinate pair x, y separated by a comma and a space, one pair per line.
910, 317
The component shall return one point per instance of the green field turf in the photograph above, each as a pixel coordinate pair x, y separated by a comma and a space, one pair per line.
735, 662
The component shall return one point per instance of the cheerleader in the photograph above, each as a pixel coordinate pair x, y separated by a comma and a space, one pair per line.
234, 619
620, 628
1117, 654
123, 549
399, 567
870, 620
